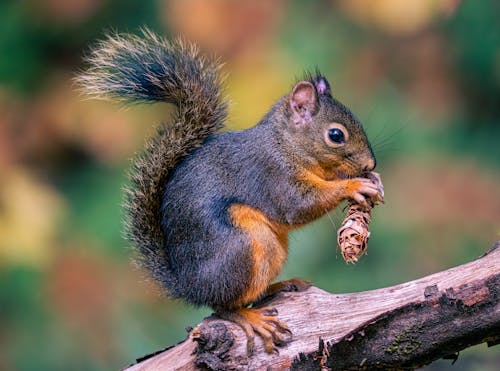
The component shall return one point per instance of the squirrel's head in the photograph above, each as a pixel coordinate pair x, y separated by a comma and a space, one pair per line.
324, 133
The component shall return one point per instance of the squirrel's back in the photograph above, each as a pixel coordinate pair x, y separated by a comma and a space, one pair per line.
148, 68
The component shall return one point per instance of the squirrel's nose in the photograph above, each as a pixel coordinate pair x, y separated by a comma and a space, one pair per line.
370, 164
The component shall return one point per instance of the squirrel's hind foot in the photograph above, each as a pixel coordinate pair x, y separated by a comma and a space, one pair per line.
292, 285
260, 321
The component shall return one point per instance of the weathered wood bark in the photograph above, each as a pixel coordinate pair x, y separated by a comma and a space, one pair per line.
402, 326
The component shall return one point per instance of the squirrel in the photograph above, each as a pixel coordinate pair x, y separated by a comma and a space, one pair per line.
209, 212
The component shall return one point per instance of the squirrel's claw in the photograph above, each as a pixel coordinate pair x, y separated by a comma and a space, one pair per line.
377, 180
363, 189
260, 321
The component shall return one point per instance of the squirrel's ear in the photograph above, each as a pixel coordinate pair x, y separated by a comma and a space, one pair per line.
322, 86
303, 102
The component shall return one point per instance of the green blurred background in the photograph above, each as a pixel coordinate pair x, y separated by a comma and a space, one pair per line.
423, 76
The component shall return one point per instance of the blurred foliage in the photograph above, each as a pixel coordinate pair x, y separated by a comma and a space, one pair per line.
423, 75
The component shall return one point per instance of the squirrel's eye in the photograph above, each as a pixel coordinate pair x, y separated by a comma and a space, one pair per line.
336, 135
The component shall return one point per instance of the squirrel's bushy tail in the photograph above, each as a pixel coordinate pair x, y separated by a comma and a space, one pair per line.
148, 68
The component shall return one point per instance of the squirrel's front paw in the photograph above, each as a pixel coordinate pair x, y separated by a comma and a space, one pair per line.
377, 180
362, 189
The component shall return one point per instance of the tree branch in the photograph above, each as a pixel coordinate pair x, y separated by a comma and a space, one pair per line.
403, 326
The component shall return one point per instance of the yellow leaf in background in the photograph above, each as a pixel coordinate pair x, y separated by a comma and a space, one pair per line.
30, 212
246, 25
395, 16
253, 88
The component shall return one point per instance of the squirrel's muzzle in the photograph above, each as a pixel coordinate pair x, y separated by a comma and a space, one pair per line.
370, 164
